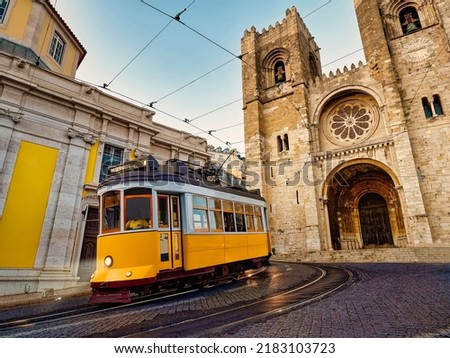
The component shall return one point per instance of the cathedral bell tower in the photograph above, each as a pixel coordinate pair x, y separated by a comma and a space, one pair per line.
277, 65
408, 42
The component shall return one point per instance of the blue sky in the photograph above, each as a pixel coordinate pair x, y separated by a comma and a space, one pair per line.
173, 62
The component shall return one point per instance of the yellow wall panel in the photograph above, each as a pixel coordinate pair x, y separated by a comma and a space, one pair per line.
26, 203
90, 167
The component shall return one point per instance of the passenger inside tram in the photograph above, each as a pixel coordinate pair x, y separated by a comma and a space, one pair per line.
137, 224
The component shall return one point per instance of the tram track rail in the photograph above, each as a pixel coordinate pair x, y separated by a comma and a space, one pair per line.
88, 309
330, 280
322, 280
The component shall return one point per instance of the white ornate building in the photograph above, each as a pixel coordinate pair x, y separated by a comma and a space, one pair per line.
57, 138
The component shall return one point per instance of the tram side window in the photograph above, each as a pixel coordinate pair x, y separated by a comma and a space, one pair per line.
215, 215
228, 216
240, 221
249, 218
138, 212
258, 219
111, 212
200, 213
163, 211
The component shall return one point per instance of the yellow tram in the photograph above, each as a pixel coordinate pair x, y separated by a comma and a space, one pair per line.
169, 226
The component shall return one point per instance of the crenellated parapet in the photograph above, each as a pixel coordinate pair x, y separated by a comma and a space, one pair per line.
340, 75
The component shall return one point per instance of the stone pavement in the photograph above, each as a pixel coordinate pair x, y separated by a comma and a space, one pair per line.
387, 300
390, 300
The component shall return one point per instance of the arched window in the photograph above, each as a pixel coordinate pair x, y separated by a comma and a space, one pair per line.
409, 20
286, 142
279, 144
437, 105
282, 143
280, 72
427, 108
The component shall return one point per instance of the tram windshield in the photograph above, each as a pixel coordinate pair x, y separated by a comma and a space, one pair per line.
138, 209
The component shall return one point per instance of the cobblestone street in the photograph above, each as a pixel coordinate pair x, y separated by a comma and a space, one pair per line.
390, 300
386, 300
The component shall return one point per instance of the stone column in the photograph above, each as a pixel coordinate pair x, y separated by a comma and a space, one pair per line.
57, 272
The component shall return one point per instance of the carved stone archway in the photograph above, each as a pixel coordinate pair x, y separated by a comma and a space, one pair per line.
364, 208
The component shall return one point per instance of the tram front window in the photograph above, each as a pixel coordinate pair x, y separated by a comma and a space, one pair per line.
138, 212
111, 212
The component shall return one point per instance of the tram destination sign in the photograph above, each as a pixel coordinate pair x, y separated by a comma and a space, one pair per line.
128, 166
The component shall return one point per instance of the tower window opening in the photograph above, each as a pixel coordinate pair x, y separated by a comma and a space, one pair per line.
282, 143
409, 20
280, 72
437, 105
427, 107
279, 144
286, 142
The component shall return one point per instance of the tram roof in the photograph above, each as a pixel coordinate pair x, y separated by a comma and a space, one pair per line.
141, 173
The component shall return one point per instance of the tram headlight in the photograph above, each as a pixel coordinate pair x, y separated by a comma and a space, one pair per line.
108, 261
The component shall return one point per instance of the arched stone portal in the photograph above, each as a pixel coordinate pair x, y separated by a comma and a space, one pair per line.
364, 208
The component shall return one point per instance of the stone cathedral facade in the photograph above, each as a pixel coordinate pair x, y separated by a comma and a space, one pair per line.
354, 165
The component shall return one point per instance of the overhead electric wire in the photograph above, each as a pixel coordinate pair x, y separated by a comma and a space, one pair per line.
215, 110
148, 44
195, 80
240, 57
134, 58
341, 58
177, 18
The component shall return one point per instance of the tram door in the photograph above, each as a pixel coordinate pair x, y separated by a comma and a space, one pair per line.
169, 232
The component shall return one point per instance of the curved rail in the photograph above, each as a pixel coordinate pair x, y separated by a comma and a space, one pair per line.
329, 281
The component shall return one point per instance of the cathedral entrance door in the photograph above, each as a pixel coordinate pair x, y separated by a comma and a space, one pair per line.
374, 220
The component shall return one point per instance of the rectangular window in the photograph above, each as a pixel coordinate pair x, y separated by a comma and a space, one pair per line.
163, 211
258, 219
215, 215
57, 48
240, 221
138, 212
3, 9
175, 212
228, 216
111, 212
249, 218
111, 156
200, 213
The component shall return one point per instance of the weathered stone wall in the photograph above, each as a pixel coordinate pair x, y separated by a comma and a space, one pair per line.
408, 148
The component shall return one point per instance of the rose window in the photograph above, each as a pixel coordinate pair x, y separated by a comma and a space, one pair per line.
351, 122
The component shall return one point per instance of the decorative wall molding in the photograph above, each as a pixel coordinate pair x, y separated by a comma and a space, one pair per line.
87, 137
